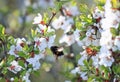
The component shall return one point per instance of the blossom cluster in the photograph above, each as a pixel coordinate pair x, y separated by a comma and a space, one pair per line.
100, 43
25, 55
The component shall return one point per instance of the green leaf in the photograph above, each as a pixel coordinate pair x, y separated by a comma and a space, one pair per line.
22, 54
10, 58
77, 57
115, 3
83, 68
10, 39
90, 79
5, 70
29, 49
30, 9
36, 51
106, 71
114, 32
84, 9
36, 73
116, 69
2, 29
47, 34
22, 73
90, 62
16, 79
21, 63
78, 25
30, 66
2, 63
86, 63
100, 3
82, 37
45, 17
33, 32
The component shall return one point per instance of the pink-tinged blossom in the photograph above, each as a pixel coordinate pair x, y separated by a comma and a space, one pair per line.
14, 49
105, 56
37, 19
91, 40
71, 11
41, 43
15, 67
41, 29
20, 40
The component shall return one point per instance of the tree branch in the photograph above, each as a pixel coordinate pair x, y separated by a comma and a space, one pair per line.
53, 15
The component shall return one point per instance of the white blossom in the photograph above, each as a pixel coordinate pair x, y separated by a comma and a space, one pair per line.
37, 19
50, 41
69, 39
15, 67
95, 60
35, 61
84, 75
106, 37
26, 77
41, 43
106, 61
76, 70
57, 23
14, 49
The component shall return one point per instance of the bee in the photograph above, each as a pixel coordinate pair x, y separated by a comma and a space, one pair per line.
57, 51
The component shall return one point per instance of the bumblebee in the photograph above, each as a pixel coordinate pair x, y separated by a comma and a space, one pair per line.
57, 51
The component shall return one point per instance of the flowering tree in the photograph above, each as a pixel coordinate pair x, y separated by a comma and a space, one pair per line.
96, 32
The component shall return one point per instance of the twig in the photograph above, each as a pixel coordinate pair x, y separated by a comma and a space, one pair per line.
53, 15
